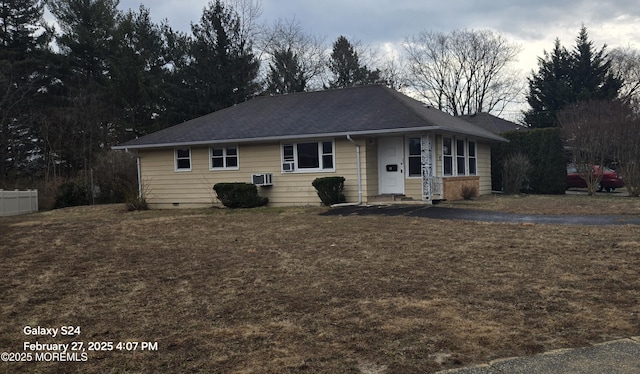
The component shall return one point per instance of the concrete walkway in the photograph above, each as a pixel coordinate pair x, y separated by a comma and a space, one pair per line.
436, 212
619, 356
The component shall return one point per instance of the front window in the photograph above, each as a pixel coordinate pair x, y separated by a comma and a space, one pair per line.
183, 159
460, 156
224, 157
310, 156
415, 157
447, 155
472, 158
466, 157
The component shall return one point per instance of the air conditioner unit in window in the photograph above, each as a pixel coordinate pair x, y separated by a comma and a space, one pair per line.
288, 166
264, 179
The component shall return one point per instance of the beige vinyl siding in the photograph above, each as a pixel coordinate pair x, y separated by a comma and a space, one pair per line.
484, 167
413, 188
370, 172
167, 188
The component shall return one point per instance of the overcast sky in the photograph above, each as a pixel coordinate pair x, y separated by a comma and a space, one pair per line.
532, 24
383, 24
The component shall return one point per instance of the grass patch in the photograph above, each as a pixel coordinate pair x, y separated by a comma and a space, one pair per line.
287, 290
602, 204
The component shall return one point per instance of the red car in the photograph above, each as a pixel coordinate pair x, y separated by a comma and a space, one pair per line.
610, 179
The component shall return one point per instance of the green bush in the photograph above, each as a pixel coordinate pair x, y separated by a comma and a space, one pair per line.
330, 189
72, 193
544, 149
239, 195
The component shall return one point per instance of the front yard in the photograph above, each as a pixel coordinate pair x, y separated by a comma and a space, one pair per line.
288, 290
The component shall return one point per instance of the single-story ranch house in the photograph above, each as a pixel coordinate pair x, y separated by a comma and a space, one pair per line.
385, 144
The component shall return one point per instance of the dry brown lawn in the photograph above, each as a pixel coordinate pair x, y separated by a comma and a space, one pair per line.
289, 290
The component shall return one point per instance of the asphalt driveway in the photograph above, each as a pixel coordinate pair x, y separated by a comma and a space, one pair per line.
436, 212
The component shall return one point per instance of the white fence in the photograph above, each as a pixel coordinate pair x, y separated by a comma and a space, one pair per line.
18, 202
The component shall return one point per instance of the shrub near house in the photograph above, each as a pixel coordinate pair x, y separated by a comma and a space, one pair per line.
544, 150
330, 189
239, 195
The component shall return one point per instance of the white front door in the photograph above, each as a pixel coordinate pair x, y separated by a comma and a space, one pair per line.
391, 166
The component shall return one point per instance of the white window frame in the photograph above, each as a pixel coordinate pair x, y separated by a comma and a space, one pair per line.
409, 156
321, 154
454, 157
176, 159
473, 158
224, 157
461, 156
451, 155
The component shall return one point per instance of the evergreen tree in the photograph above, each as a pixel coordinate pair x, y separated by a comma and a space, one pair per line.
297, 59
565, 78
285, 73
177, 98
591, 71
24, 76
137, 73
346, 67
549, 89
87, 38
87, 111
224, 69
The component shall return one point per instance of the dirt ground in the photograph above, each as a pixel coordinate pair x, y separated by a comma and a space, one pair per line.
287, 290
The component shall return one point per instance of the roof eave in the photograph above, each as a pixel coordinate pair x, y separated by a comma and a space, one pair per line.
277, 138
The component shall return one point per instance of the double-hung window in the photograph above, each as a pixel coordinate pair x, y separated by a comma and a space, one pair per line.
472, 158
182, 159
415, 158
447, 156
308, 156
460, 157
224, 157
465, 152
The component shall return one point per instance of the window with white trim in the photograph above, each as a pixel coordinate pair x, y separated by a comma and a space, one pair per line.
182, 159
447, 156
473, 165
308, 156
223, 158
465, 157
461, 157
414, 157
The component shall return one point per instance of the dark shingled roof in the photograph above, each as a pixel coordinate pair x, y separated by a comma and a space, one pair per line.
365, 110
492, 123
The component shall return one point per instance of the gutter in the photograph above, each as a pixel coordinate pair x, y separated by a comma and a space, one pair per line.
275, 138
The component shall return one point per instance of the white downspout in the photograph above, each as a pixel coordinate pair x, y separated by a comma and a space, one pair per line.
139, 177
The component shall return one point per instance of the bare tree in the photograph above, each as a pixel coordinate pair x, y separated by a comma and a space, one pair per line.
586, 126
287, 35
393, 69
625, 133
625, 64
465, 71
249, 13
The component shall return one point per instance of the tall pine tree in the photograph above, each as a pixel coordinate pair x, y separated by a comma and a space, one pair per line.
347, 69
565, 78
24, 76
138, 73
285, 73
87, 111
223, 70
